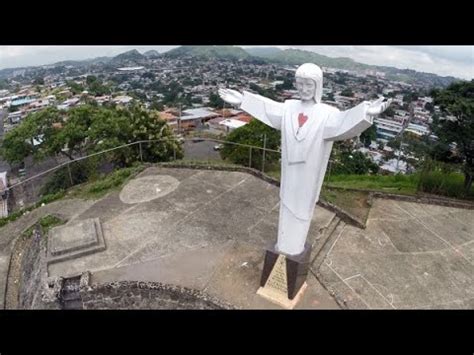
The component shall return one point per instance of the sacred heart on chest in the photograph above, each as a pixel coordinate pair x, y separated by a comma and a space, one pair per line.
302, 119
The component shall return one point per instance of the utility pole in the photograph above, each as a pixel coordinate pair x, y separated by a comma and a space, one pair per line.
179, 120
405, 125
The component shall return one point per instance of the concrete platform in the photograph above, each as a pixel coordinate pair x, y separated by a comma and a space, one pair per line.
75, 240
411, 256
209, 231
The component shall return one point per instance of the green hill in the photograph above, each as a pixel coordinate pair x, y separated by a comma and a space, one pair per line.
298, 57
220, 52
265, 52
151, 54
132, 55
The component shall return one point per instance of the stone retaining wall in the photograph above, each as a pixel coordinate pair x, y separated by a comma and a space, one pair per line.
32, 269
145, 295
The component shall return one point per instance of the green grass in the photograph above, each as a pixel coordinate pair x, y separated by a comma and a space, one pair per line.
274, 173
91, 190
447, 184
102, 186
399, 184
47, 222
44, 200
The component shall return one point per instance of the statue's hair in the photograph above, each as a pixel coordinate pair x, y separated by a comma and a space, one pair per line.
312, 71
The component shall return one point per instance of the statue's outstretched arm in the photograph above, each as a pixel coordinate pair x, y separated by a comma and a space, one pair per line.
268, 111
351, 123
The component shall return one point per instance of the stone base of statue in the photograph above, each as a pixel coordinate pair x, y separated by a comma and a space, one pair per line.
284, 277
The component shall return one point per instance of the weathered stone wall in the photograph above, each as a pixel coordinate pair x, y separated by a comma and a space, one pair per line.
31, 269
146, 295
28, 283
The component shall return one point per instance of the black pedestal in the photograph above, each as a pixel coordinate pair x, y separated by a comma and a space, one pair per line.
297, 267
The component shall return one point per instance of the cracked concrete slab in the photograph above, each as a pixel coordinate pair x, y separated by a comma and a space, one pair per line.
179, 237
409, 256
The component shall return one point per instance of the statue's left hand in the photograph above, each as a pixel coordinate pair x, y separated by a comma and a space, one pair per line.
378, 106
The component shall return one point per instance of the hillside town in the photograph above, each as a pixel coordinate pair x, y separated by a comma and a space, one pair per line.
183, 90
179, 180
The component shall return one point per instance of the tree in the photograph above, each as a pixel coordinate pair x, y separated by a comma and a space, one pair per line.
347, 161
38, 81
286, 85
457, 103
91, 79
215, 101
86, 129
3, 84
329, 96
156, 105
429, 107
148, 75
263, 92
340, 79
30, 136
389, 112
347, 92
252, 134
75, 87
369, 135
409, 97
96, 88
13, 108
146, 125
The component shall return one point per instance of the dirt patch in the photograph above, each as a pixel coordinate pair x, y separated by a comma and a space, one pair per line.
355, 203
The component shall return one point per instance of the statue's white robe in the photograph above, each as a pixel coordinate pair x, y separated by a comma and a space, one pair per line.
305, 155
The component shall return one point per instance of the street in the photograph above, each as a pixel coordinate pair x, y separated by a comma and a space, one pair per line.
203, 150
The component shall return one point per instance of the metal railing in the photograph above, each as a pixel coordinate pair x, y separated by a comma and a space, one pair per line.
206, 156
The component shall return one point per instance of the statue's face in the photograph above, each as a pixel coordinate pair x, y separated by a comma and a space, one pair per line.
306, 88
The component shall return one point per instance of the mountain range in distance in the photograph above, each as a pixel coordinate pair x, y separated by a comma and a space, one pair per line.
275, 55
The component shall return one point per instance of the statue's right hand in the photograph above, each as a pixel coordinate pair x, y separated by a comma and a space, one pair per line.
230, 96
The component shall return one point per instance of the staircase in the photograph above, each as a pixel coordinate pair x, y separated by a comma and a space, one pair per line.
70, 296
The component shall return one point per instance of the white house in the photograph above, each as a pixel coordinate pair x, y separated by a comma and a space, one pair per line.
231, 124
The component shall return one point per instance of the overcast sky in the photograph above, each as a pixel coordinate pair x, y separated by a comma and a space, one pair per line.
457, 61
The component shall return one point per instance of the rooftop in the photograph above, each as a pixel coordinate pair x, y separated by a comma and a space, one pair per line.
197, 113
130, 68
232, 123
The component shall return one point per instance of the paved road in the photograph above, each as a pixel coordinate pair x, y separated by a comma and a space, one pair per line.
201, 150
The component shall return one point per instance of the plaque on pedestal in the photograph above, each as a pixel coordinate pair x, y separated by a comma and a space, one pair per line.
283, 277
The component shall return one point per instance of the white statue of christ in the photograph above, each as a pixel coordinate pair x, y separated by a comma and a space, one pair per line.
308, 130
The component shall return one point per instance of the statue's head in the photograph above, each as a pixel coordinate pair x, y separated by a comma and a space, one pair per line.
309, 82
